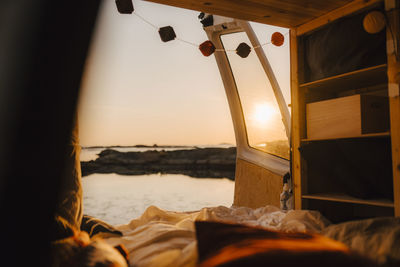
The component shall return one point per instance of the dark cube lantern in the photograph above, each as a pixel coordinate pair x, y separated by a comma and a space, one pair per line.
167, 33
243, 50
124, 6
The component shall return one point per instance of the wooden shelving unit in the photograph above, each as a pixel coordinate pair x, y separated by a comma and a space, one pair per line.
369, 80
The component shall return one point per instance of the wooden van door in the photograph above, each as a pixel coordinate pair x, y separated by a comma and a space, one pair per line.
260, 115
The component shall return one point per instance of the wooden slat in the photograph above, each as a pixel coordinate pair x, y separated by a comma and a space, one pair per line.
394, 103
255, 186
394, 95
288, 13
334, 15
366, 77
338, 117
298, 121
373, 135
349, 199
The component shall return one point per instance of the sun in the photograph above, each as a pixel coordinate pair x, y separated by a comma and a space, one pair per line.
263, 113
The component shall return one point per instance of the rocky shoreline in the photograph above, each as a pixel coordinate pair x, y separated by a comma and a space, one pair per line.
198, 162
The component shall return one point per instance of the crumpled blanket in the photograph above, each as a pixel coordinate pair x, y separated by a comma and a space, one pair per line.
377, 238
167, 238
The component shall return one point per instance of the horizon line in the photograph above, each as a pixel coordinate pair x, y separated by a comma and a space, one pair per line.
155, 145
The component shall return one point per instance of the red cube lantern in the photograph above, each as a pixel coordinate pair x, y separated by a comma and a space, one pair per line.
207, 48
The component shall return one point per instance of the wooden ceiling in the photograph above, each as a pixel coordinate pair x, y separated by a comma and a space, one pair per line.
284, 13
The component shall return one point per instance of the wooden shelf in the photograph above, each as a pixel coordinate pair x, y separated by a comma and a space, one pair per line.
373, 135
351, 80
348, 199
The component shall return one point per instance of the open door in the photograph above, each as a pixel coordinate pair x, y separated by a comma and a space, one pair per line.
260, 115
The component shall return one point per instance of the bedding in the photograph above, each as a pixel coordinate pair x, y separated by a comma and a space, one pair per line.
228, 245
96, 227
166, 238
378, 238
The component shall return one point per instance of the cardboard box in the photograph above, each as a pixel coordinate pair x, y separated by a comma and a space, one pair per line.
349, 116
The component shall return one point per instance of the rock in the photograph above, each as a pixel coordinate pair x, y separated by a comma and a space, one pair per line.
198, 162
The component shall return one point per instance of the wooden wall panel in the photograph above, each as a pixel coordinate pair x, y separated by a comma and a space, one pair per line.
255, 186
289, 13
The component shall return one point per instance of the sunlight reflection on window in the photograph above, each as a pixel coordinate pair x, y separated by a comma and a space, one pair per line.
265, 129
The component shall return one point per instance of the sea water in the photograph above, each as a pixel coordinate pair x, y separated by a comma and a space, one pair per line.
117, 199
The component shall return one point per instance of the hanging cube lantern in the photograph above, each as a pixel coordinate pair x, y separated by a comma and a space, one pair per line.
243, 50
277, 39
207, 48
167, 33
124, 6
206, 20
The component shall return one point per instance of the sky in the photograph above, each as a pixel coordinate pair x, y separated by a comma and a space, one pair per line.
137, 89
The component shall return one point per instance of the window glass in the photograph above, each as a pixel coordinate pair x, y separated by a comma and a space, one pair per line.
278, 56
264, 126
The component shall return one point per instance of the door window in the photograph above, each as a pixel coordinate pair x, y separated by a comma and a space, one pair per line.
264, 125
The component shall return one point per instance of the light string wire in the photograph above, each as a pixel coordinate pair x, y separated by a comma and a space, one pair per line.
187, 42
194, 44
145, 20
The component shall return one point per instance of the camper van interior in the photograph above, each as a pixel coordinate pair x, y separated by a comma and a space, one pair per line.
337, 149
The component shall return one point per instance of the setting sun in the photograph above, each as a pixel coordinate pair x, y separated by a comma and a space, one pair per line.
263, 113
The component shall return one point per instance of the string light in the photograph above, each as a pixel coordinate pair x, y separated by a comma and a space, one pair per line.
145, 20
187, 42
207, 48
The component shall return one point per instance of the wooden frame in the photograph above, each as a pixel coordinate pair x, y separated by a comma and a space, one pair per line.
394, 93
297, 120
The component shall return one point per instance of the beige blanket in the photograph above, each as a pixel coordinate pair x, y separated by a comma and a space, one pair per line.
166, 238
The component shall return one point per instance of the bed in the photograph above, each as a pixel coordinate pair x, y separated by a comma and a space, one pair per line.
167, 238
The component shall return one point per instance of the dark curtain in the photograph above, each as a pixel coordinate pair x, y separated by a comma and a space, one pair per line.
43, 46
343, 46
